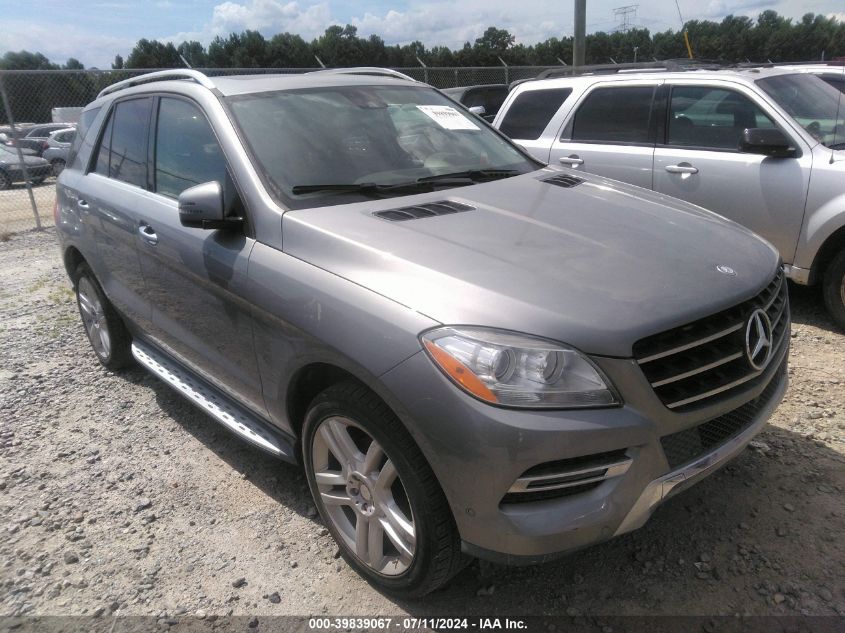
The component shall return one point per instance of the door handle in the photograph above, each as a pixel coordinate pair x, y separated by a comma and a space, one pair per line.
82, 204
570, 160
148, 234
683, 168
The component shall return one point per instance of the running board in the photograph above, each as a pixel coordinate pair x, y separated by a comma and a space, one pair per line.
213, 402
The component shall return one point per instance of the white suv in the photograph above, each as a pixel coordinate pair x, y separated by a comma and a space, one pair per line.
761, 146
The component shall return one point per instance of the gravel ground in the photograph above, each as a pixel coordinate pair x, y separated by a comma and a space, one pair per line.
16, 208
119, 496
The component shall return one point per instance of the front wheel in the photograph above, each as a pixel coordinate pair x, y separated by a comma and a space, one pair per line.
376, 493
106, 331
833, 288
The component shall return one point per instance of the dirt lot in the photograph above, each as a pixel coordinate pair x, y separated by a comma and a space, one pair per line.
118, 496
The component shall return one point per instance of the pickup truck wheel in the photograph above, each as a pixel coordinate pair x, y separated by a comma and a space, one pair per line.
377, 494
833, 288
106, 332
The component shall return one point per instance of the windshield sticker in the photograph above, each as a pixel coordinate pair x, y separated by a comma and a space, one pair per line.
447, 117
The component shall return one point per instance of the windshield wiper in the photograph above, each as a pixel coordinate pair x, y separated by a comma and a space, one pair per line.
476, 175
360, 187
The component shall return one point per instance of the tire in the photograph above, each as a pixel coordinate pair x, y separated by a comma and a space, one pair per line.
38, 181
833, 288
106, 331
410, 514
58, 166
5, 181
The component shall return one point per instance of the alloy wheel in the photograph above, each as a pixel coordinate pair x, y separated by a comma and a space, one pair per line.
93, 317
363, 496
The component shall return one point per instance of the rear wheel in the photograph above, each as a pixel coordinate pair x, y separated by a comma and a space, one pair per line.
106, 331
833, 288
58, 166
376, 493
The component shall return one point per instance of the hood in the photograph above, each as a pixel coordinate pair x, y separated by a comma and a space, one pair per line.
598, 265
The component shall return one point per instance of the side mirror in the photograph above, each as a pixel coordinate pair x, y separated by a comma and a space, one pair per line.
201, 207
767, 141
478, 110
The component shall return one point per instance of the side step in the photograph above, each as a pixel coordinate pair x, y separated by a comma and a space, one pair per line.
213, 402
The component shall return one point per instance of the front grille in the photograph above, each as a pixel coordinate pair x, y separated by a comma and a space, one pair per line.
685, 446
695, 365
418, 211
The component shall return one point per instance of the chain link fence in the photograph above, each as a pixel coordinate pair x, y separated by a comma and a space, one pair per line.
33, 101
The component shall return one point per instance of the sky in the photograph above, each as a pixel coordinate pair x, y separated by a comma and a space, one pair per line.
94, 31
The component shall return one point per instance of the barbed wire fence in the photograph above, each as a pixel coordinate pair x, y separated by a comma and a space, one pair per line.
30, 99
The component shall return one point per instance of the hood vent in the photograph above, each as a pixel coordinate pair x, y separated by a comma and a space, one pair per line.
564, 180
428, 210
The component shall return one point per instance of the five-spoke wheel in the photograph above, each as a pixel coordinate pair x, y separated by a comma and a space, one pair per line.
376, 493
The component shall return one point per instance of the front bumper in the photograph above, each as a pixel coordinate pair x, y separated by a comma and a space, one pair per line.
477, 451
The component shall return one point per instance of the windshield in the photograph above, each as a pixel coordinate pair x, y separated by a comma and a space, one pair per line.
337, 144
811, 102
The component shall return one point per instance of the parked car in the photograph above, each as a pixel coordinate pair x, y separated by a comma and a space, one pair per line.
761, 146
483, 100
7, 134
58, 146
35, 138
470, 353
11, 170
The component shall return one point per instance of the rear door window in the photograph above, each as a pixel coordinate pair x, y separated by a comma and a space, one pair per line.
128, 158
531, 111
616, 115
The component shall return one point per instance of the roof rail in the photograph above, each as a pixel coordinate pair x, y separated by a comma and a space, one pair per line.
364, 70
161, 75
673, 65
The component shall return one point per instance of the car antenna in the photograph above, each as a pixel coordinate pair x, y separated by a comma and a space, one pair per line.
836, 121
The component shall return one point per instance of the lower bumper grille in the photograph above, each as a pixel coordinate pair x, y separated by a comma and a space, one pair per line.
686, 446
567, 477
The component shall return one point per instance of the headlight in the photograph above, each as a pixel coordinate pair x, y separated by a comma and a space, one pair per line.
516, 370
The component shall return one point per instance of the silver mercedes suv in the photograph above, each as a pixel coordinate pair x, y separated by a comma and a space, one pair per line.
471, 354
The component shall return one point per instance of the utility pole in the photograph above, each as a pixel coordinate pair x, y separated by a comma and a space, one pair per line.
579, 43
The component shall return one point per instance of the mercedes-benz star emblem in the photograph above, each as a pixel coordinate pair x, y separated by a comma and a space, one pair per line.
726, 270
758, 340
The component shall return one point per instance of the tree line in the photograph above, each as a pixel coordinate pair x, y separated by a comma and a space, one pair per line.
734, 39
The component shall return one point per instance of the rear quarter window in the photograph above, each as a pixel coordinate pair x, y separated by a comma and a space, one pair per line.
531, 111
85, 121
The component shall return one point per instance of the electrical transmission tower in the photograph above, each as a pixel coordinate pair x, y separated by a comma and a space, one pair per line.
625, 15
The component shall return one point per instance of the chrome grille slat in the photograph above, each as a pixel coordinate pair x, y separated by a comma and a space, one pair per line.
712, 357
683, 348
698, 370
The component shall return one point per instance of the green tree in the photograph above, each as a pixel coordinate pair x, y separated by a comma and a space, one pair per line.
286, 50
194, 53
153, 54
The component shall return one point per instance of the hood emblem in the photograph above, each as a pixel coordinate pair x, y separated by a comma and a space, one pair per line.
758, 340
726, 270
